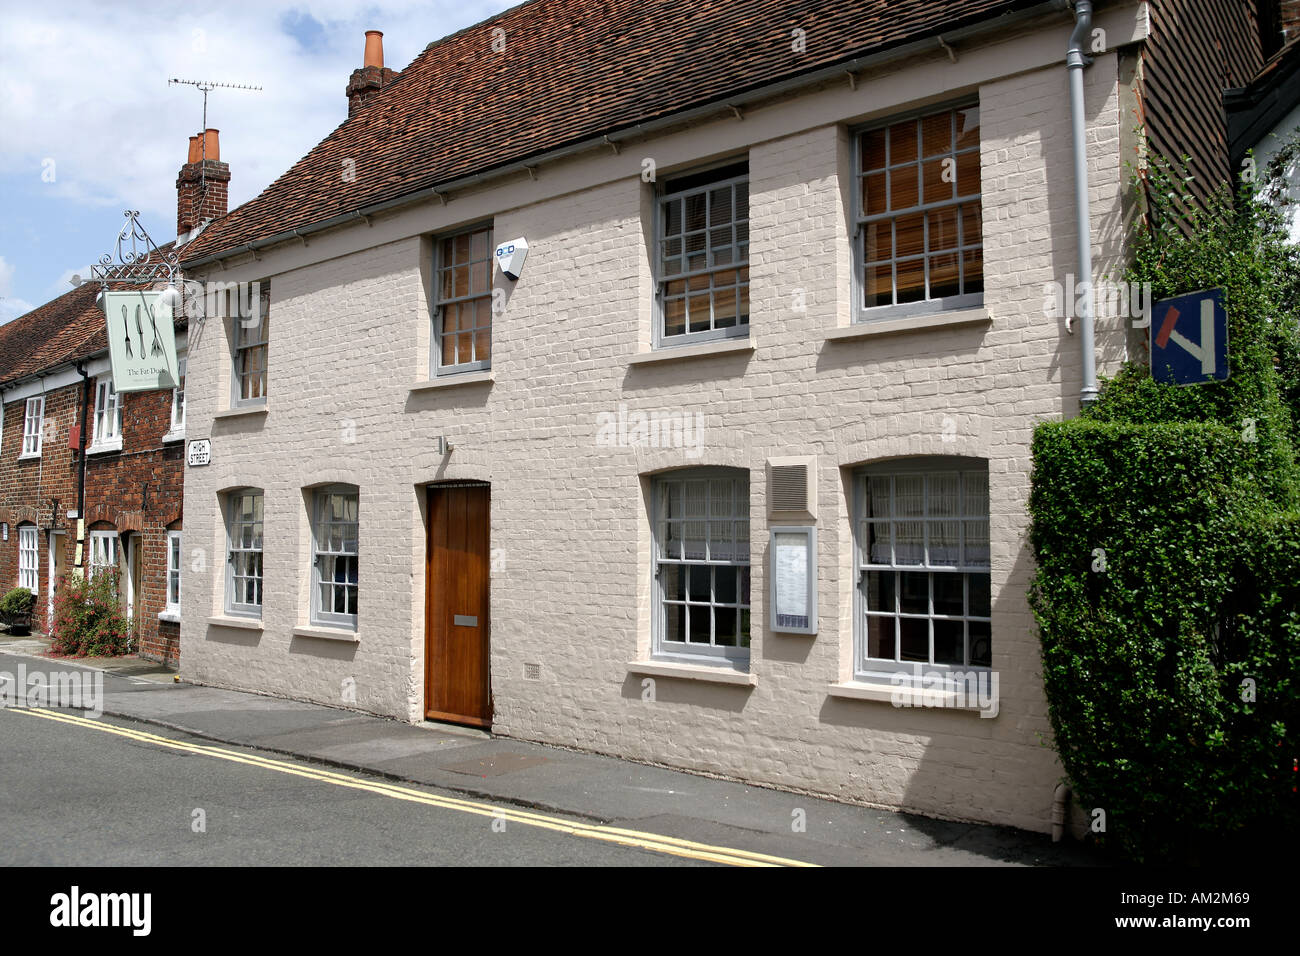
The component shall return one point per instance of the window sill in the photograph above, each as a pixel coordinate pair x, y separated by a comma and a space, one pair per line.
702, 672
911, 323
450, 380
101, 448
29, 456
241, 412
672, 353
246, 623
906, 695
173, 616
328, 634
174, 436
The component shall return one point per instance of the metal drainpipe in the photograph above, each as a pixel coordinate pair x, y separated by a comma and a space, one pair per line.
1076, 60
81, 472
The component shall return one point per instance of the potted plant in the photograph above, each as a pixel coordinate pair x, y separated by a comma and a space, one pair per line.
16, 610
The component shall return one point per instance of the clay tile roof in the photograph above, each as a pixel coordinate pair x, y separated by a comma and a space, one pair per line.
57, 332
63, 330
571, 70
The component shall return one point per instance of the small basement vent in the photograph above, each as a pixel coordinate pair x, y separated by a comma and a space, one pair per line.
792, 486
532, 672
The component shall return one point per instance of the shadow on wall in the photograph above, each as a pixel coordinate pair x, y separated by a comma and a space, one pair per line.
965, 765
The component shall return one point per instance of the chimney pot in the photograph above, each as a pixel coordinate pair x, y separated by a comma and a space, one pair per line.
211, 145
374, 55
196, 149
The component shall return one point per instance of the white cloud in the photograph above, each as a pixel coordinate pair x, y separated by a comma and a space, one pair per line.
85, 102
64, 283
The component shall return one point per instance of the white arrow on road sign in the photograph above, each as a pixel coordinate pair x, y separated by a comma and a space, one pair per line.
1205, 351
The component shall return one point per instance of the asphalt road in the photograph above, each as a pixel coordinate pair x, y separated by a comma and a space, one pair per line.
73, 795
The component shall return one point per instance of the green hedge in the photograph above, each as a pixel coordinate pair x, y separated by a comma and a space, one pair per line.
1144, 656
1169, 674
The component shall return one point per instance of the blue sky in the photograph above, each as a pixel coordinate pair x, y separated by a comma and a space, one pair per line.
91, 126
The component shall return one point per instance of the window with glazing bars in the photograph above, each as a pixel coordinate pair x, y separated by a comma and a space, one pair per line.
32, 423
108, 412
920, 234
923, 566
462, 322
244, 584
702, 565
335, 559
103, 551
173, 571
703, 257
28, 558
178, 398
252, 335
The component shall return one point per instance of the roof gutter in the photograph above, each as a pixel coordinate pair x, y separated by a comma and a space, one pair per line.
1076, 61
942, 41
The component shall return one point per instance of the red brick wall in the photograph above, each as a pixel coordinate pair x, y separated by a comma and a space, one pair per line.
28, 487
202, 192
136, 490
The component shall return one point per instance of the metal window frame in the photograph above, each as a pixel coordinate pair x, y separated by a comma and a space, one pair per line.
661, 648
263, 342
436, 302
168, 603
318, 614
865, 667
863, 313
741, 330
34, 550
233, 525
29, 433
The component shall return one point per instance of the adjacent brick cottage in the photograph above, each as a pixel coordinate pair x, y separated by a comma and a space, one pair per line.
783, 299
75, 455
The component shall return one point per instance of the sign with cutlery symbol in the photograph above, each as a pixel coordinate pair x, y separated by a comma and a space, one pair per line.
142, 344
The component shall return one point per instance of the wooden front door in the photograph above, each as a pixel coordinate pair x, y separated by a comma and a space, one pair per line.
457, 685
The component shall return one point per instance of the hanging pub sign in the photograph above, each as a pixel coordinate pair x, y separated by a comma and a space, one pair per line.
141, 339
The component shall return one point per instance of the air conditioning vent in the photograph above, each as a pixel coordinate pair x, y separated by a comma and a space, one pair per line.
792, 486
789, 488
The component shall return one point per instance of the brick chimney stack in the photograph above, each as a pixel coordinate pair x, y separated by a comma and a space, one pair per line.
373, 75
203, 187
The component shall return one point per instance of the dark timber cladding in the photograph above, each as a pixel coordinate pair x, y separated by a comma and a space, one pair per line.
1197, 49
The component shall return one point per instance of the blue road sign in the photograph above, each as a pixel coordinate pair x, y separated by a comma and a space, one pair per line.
1189, 339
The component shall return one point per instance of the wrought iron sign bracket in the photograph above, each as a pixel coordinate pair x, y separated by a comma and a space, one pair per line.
135, 259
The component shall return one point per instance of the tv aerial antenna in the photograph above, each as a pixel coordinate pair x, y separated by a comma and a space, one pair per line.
206, 87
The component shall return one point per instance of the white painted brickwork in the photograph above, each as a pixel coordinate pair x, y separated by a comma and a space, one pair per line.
569, 524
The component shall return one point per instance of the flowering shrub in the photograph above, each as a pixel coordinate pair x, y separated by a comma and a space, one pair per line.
88, 619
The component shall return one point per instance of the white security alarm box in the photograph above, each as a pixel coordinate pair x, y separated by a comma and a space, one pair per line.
510, 257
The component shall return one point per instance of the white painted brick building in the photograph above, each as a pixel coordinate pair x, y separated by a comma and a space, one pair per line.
576, 621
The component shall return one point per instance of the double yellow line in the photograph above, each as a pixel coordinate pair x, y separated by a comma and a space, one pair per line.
638, 839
